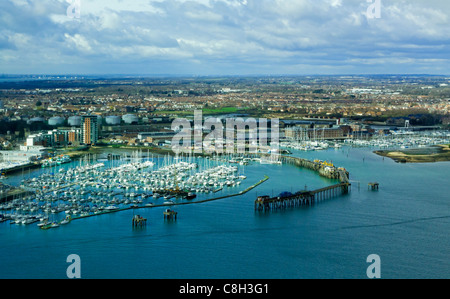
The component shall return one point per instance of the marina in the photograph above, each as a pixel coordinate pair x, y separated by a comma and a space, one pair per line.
402, 140
93, 188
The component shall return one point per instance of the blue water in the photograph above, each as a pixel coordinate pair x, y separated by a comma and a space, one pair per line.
406, 223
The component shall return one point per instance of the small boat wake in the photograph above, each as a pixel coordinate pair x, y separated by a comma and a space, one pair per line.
396, 223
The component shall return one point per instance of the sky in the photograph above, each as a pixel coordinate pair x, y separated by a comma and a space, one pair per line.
225, 37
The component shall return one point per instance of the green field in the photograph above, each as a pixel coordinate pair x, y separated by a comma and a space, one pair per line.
223, 110
206, 111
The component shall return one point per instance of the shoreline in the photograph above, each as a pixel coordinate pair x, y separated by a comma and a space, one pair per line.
407, 156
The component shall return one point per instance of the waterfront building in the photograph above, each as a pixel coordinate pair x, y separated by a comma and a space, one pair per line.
73, 135
326, 133
89, 129
39, 139
57, 137
301, 133
64, 137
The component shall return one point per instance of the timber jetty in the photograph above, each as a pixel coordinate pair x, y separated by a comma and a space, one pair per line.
301, 198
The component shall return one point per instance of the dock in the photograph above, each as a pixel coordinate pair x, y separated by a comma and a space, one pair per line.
301, 198
305, 198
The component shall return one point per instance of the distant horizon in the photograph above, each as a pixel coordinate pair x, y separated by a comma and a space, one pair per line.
220, 75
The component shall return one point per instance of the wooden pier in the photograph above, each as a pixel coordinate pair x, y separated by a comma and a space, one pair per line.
305, 198
301, 198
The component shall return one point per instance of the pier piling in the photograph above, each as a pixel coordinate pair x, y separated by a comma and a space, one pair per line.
170, 214
138, 221
374, 186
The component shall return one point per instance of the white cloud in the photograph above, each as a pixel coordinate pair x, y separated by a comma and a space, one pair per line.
80, 42
245, 35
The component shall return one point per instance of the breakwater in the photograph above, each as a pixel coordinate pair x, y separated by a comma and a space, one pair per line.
323, 168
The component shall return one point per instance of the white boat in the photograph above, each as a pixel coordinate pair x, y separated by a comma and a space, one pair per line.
42, 223
66, 220
270, 160
111, 208
29, 221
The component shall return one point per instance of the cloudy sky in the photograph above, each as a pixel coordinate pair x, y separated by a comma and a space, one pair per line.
224, 37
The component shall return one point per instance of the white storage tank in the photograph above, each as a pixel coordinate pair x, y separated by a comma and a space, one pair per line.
74, 121
130, 119
99, 119
113, 120
36, 119
56, 121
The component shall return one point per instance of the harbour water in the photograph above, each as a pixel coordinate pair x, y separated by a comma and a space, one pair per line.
406, 223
